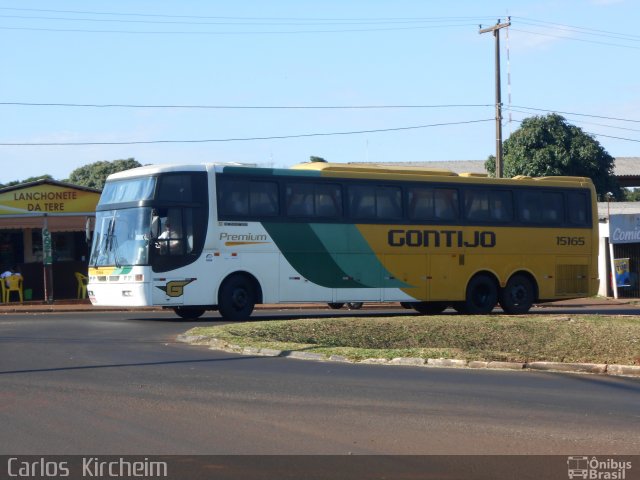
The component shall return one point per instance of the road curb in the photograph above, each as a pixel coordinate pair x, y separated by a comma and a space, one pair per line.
591, 368
569, 367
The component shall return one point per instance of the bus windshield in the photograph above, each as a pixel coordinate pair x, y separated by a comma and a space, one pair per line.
121, 237
128, 190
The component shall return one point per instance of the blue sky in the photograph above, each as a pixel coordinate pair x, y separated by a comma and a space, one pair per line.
574, 56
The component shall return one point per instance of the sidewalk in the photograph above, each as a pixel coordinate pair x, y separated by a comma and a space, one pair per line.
85, 305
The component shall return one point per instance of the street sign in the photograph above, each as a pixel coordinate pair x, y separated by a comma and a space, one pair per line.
47, 249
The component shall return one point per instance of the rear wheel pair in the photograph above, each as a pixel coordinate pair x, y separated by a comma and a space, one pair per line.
483, 294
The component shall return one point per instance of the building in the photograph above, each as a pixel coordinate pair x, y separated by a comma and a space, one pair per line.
43, 232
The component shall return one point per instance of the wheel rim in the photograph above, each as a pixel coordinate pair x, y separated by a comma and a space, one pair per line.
239, 298
518, 294
481, 296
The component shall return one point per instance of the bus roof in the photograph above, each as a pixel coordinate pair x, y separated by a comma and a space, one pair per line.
349, 170
147, 170
403, 172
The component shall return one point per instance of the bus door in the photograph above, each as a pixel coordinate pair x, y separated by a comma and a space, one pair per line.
409, 271
447, 280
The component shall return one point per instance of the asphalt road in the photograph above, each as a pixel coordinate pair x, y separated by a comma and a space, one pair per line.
119, 383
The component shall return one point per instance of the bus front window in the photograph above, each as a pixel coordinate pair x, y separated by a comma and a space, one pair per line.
121, 237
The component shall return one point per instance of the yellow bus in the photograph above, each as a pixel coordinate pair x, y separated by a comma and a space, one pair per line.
221, 237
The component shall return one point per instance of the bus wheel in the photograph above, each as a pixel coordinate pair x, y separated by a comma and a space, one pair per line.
335, 306
482, 295
354, 305
236, 298
189, 313
518, 296
429, 308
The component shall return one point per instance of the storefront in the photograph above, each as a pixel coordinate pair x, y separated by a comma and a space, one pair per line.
620, 256
43, 233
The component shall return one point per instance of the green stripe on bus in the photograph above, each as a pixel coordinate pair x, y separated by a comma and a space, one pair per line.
267, 172
308, 256
351, 263
354, 255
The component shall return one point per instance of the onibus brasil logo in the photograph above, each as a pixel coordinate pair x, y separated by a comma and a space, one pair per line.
594, 468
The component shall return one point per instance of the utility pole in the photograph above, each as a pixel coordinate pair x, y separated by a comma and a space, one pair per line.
496, 34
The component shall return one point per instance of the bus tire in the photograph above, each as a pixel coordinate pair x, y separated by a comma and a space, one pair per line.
236, 298
518, 295
354, 305
335, 305
429, 308
189, 313
482, 295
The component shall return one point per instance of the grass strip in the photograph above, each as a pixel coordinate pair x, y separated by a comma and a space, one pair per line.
528, 338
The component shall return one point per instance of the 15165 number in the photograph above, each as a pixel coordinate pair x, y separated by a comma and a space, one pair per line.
570, 241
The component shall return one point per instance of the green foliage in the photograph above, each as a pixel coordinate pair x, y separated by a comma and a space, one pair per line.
27, 180
95, 174
549, 146
632, 195
313, 158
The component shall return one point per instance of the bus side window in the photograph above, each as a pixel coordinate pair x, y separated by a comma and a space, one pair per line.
527, 207
388, 202
362, 202
420, 203
476, 205
577, 208
542, 208
299, 197
328, 200
501, 207
233, 198
552, 207
263, 199
446, 204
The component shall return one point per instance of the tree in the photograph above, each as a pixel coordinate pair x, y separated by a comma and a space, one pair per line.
27, 180
313, 159
95, 174
547, 145
632, 195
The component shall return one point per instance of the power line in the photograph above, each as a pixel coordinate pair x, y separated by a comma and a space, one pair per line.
577, 114
243, 21
168, 19
246, 139
576, 39
305, 107
600, 134
611, 136
576, 29
248, 32
240, 107
585, 122
151, 15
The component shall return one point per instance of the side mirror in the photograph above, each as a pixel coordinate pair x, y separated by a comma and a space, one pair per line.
87, 230
155, 226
